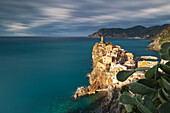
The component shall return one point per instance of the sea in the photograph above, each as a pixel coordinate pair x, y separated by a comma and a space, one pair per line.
41, 74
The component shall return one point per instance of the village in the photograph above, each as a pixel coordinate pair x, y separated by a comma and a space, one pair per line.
108, 60
113, 59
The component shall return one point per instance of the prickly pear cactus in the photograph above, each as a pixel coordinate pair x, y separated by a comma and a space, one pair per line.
152, 94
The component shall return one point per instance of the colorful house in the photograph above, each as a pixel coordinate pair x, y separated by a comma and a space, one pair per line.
147, 63
129, 56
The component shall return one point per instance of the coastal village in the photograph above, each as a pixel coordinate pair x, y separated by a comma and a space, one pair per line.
108, 60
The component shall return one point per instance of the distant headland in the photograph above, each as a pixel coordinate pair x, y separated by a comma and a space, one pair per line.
133, 32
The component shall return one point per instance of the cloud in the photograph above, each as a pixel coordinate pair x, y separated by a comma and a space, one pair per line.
16, 27
52, 15
72, 17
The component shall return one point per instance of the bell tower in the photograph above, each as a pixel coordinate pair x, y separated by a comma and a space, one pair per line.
102, 39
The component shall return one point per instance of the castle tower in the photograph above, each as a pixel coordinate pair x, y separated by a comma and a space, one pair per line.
102, 39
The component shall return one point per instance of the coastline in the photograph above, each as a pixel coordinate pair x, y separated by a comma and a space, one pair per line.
122, 37
103, 75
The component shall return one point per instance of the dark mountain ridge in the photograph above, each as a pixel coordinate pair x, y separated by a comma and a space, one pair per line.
133, 32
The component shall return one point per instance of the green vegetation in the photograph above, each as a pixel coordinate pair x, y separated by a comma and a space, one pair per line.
164, 34
152, 94
160, 38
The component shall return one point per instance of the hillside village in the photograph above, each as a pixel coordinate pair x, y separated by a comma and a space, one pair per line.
108, 60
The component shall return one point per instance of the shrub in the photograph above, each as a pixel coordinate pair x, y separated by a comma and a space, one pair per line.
152, 94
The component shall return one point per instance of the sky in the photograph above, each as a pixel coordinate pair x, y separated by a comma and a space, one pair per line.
78, 17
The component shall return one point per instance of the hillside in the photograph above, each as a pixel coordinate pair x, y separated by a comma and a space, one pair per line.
160, 38
134, 32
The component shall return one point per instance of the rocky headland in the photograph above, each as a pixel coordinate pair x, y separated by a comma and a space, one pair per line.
108, 60
140, 32
162, 37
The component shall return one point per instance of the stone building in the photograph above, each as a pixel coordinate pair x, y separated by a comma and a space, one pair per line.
107, 59
102, 39
109, 47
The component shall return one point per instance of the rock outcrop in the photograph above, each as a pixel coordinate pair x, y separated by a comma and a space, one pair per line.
134, 32
111, 103
160, 38
82, 91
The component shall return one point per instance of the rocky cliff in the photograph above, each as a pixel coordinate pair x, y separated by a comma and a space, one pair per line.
160, 38
134, 32
97, 78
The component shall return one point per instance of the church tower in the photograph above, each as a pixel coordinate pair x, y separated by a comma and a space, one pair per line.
102, 40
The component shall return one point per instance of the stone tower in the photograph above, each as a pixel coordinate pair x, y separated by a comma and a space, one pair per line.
102, 39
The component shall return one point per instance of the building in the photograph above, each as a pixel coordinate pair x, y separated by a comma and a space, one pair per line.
130, 64
117, 46
107, 59
114, 54
118, 67
147, 63
113, 64
102, 39
109, 48
115, 49
129, 56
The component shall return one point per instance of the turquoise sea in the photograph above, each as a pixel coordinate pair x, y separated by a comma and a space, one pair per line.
40, 75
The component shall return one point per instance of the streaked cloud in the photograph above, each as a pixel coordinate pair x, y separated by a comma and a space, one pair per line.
16, 27
52, 15
75, 18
